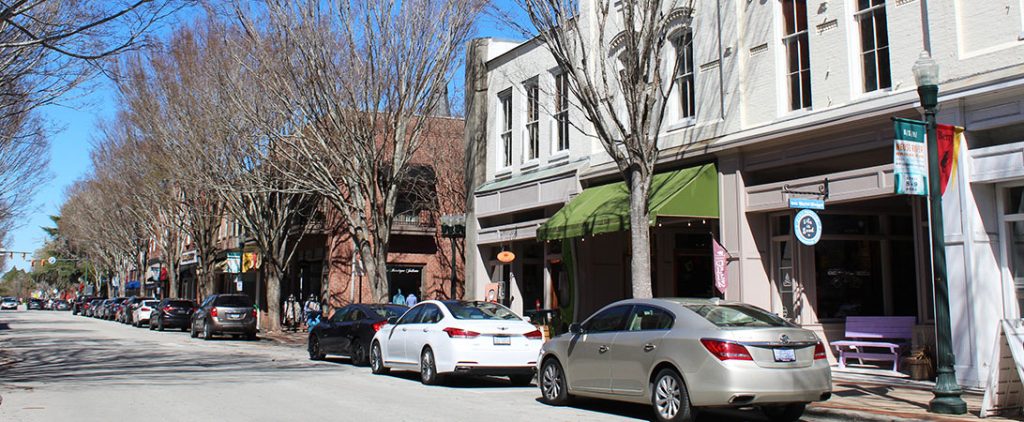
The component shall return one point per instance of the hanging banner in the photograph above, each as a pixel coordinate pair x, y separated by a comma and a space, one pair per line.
721, 262
910, 157
950, 140
234, 262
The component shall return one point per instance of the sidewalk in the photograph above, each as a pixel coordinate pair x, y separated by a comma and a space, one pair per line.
865, 397
287, 338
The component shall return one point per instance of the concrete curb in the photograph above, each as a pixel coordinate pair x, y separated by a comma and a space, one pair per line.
854, 415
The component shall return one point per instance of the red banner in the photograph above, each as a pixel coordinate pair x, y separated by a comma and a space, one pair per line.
949, 149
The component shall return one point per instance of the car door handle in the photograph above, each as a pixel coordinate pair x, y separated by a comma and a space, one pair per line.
648, 347
403, 329
425, 330
602, 349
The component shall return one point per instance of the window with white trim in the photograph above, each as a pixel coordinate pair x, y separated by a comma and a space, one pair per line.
562, 111
874, 42
505, 99
684, 74
795, 38
532, 118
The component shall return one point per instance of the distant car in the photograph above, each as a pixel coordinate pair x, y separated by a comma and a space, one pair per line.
35, 304
106, 308
455, 338
681, 354
172, 313
142, 313
128, 307
91, 307
349, 331
9, 304
225, 314
61, 305
79, 303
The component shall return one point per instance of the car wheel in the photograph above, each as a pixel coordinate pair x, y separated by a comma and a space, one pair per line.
669, 397
428, 368
784, 413
192, 329
207, 333
314, 348
358, 353
520, 380
151, 328
552, 384
377, 360
159, 327
251, 336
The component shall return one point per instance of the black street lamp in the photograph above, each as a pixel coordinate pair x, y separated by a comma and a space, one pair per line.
947, 392
453, 226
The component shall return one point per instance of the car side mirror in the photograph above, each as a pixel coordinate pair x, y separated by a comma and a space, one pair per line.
575, 328
528, 319
393, 320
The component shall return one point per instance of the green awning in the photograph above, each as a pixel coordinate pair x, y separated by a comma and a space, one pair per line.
690, 192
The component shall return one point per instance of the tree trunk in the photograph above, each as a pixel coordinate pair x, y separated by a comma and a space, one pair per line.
377, 270
273, 298
640, 235
172, 280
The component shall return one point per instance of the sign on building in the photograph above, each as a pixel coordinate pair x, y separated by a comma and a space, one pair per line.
910, 157
234, 262
808, 227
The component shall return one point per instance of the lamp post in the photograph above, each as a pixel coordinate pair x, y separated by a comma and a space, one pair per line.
947, 392
453, 226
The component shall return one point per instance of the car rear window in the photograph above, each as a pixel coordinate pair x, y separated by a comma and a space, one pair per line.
734, 315
150, 302
480, 310
181, 304
389, 311
234, 301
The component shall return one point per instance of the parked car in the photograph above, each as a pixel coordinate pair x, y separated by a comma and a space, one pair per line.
458, 337
106, 308
349, 331
36, 304
141, 313
79, 303
130, 306
61, 305
172, 313
9, 304
225, 314
681, 354
92, 307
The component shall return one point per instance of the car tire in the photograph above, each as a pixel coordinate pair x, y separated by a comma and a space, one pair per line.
669, 398
553, 388
428, 368
207, 332
159, 327
784, 413
315, 352
520, 380
151, 328
377, 360
251, 336
192, 330
359, 353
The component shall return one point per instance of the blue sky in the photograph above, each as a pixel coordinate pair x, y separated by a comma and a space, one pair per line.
75, 121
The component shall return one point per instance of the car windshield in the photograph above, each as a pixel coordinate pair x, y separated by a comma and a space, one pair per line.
735, 315
180, 304
234, 301
388, 311
480, 310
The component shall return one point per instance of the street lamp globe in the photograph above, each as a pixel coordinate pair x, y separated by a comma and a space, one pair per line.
926, 70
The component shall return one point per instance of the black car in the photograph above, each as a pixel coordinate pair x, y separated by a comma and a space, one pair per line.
349, 331
92, 307
61, 305
225, 314
171, 313
35, 304
78, 306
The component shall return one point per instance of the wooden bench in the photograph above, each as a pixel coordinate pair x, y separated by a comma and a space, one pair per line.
886, 336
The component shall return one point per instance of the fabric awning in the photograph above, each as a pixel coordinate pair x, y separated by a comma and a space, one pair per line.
690, 192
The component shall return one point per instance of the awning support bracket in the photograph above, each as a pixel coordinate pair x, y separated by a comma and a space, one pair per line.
822, 190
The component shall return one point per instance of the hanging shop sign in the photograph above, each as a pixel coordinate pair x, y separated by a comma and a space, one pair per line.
721, 261
506, 257
807, 203
234, 262
910, 157
808, 227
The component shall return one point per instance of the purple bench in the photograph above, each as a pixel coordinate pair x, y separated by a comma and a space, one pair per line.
885, 336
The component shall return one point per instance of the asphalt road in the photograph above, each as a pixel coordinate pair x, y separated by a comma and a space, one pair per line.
59, 367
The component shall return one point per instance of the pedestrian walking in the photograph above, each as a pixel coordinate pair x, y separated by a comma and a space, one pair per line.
290, 316
311, 311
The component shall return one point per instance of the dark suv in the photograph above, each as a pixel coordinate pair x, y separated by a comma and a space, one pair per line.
225, 314
171, 313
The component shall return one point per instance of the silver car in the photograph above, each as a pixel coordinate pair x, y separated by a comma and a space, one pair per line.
682, 354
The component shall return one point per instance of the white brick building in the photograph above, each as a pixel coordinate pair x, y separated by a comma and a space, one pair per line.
767, 122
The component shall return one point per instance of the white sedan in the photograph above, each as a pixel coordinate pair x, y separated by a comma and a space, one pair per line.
143, 311
440, 338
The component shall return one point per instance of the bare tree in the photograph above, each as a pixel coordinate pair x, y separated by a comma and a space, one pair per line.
618, 62
360, 80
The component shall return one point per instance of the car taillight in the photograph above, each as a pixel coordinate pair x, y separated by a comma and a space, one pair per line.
213, 312
460, 333
534, 335
726, 350
254, 313
168, 309
377, 325
144, 308
819, 351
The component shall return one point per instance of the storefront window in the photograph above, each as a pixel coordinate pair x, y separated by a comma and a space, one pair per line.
1016, 256
849, 278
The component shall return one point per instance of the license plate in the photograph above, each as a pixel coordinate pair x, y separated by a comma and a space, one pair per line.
784, 355
502, 340
235, 316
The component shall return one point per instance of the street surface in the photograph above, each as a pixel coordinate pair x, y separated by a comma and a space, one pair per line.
59, 367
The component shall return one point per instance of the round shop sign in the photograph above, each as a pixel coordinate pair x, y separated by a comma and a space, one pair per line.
808, 227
